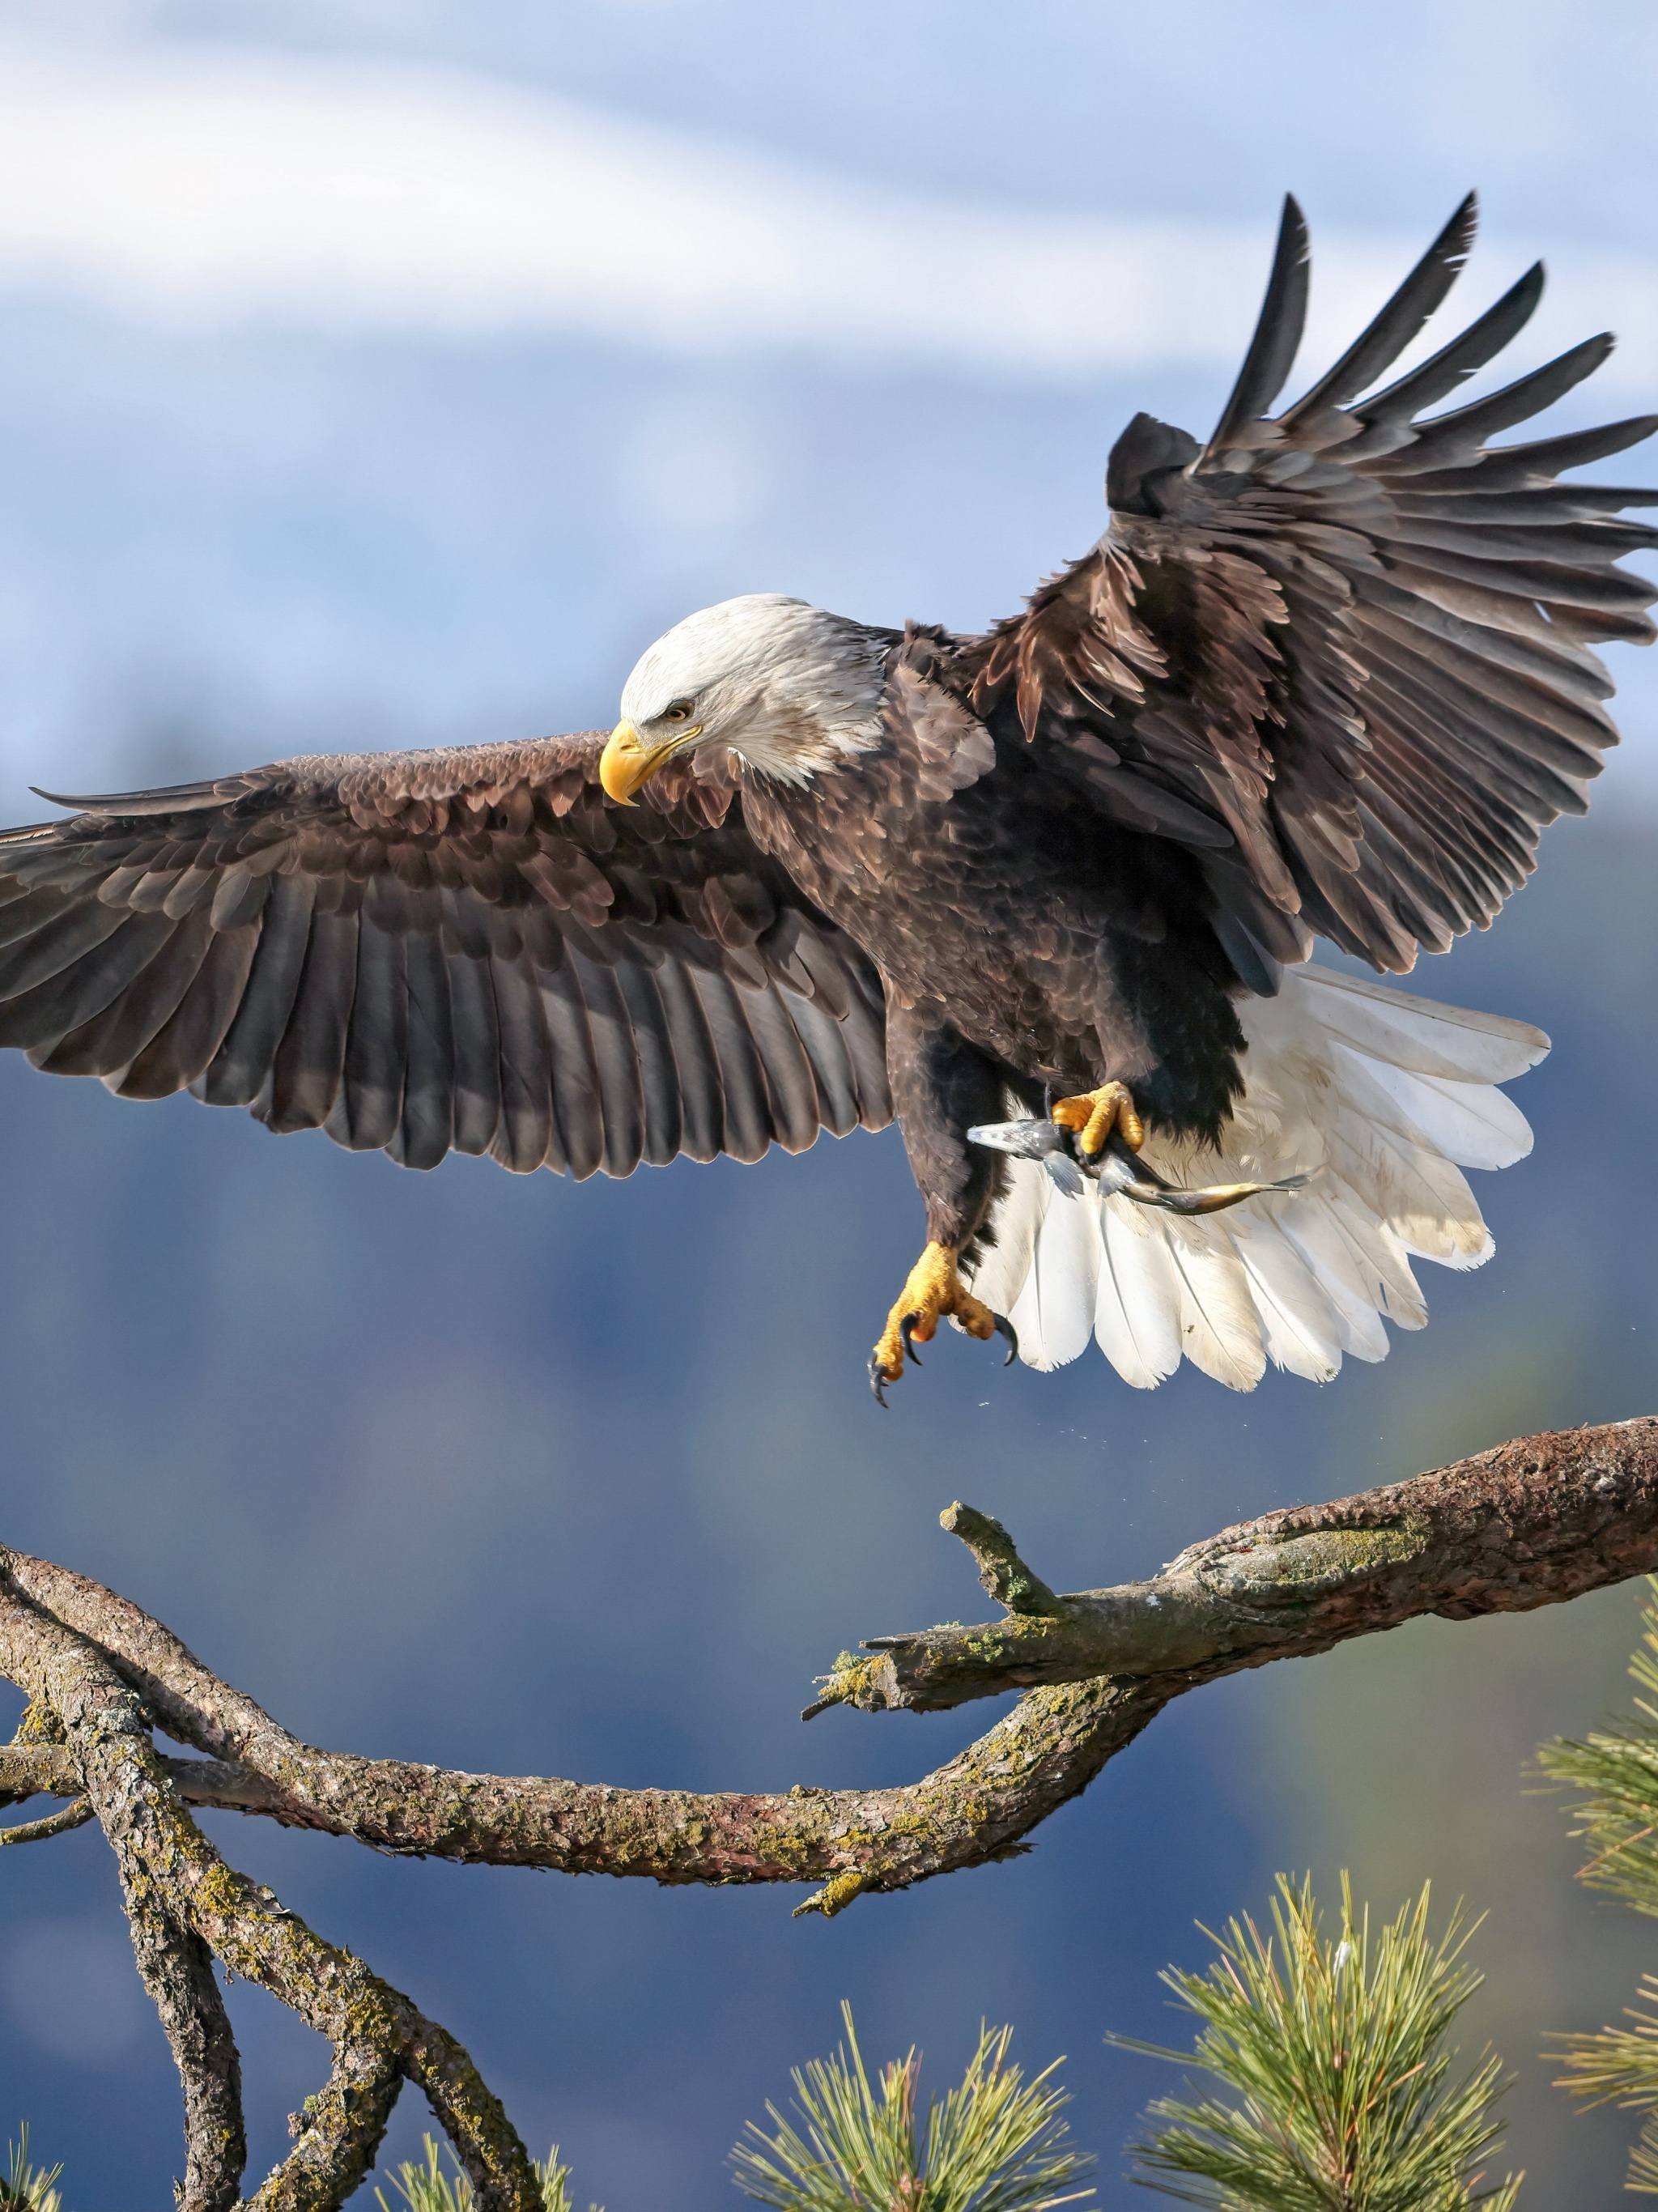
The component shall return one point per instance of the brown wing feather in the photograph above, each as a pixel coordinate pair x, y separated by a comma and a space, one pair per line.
1344, 654
465, 950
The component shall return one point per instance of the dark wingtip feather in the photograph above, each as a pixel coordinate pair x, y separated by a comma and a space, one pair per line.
1434, 379
1574, 449
1278, 332
1516, 402
1386, 337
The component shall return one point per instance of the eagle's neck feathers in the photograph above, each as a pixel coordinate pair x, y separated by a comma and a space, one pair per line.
815, 690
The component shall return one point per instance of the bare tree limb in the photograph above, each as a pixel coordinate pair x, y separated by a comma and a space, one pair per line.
107, 1738
185, 1905
55, 1824
1532, 1523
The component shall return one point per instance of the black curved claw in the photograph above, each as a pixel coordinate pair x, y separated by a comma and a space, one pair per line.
1004, 1327
904, 1327
877, 1380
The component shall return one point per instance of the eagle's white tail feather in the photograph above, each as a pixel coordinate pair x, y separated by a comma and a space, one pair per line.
1219, 1329
1300, 1328
1469, 1122
1315, 1231
1422, 1034
1065, 1277
1137, 1313
1380, 1098
1396, 1172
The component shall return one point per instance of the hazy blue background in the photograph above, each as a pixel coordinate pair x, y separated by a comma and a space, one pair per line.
586, 1479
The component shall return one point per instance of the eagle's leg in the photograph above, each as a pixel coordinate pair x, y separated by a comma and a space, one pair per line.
941, 1086
1095, 1114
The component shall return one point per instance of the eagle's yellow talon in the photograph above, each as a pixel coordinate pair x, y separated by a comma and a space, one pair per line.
933, 1290
1095, 1114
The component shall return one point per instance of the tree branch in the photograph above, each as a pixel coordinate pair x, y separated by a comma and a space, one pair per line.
106, 1738
185, 1905
1532, 1523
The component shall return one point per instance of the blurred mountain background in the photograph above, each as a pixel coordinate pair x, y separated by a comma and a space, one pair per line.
379, 375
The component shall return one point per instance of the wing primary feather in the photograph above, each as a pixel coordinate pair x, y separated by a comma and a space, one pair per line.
111, 1040
1466, 428
615, 1062
26, 909
658, 1077
865, 1031
184, 1046
1437, 377
789, 1078
52, 938
702, 1100
747, 1122
825, 1045
476, 1036
1421, 293
426, 1130
526, 1135
1278, 336
1550, 457
577, 1101
377, 1044
37, 1019
237, 1072
310, 1059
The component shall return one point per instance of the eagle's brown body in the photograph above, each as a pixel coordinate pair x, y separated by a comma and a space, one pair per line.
1028, 944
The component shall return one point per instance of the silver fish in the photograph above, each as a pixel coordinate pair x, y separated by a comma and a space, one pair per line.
1116, 1169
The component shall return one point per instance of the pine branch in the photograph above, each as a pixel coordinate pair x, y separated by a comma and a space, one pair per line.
1618, 1769
1335, 2053
428, 2188
1617, 2065
995, 2144
26, 2188
1532, 1523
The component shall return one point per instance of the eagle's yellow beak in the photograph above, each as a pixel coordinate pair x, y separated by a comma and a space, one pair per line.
627, 764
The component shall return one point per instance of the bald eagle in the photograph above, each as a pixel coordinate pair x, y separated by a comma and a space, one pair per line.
1048, 894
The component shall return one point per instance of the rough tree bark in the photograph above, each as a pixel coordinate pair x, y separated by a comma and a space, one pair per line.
1531, 1523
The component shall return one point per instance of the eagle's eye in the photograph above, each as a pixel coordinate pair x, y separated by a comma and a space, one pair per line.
679, 712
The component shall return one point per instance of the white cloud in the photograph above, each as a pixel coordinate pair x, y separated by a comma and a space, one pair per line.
228, 185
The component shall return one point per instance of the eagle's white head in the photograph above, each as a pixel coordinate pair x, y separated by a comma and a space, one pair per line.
788, 688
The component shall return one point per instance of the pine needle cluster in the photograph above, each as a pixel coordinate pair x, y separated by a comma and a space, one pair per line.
428, 2188
1619, 1771
1335, 2052
26, 2188
997, 2143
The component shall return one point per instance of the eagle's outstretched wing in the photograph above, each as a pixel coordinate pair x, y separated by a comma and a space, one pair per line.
467, 949
1343, 653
